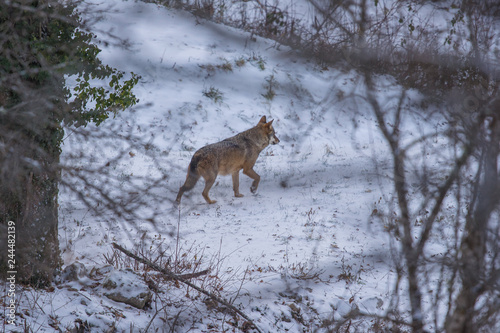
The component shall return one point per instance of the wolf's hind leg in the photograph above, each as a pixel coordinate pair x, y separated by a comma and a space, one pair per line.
236, 184
256, 179
209, 181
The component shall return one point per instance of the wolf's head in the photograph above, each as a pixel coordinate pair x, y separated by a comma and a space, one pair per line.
269, 130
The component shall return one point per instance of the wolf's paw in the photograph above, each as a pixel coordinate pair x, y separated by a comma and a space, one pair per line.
253, 189
238, 195
212, 202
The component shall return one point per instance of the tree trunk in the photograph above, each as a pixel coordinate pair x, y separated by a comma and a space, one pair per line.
473, 248
29, 198
39, 256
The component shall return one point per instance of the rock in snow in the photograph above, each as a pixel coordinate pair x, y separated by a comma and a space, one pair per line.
74, 272
128, 287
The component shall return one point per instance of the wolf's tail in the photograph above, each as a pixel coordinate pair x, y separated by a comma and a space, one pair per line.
191, 179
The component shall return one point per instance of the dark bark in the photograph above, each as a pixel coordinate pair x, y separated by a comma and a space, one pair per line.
472, 265
29, 182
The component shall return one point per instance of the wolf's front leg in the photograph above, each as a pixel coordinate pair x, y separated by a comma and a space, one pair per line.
256, 179
236, 184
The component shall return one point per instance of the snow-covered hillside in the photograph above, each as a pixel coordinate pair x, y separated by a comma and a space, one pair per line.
305, 246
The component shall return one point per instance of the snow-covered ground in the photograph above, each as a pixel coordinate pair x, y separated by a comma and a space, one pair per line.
311, 249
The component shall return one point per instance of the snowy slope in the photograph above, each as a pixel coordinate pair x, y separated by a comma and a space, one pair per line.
307, 237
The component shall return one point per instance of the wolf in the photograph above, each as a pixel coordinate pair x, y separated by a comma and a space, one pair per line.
229, 156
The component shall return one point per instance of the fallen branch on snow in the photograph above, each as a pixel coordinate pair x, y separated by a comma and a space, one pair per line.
184, 280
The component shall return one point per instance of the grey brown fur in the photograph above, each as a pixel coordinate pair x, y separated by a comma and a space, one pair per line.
229, 157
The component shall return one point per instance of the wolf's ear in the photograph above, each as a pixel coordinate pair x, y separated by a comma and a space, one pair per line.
262, 120
270, 123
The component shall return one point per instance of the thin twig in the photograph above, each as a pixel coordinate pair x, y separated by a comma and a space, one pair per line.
151, 321
189, 276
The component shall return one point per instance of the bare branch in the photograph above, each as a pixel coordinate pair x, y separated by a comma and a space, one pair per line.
179, 278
